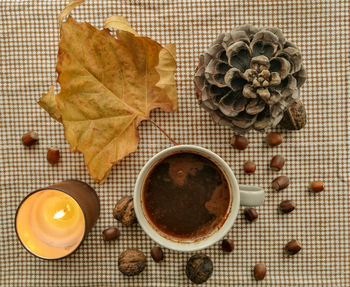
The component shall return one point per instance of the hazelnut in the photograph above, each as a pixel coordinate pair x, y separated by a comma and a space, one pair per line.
277, 163
249, 167
157, 253
250, 213
124, 211
274, 139
259, 271
53, 155
227, 245
30, 138
199, 268
111, 233
287, 206
293, 247
131, 262
316, 186
280, 183
239, 142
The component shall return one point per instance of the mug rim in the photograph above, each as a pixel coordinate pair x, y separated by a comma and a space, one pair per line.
201, 243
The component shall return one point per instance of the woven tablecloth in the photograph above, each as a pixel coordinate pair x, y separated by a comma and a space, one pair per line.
29, 35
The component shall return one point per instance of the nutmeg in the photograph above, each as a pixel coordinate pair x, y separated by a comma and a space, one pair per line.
131, 262
124, 211
239, 142
274, 139
30, 138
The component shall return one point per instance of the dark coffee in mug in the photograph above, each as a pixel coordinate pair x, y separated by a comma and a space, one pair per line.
186, 196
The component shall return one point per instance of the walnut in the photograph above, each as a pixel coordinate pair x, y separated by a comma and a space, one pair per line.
199, 268
124, 211
131, 262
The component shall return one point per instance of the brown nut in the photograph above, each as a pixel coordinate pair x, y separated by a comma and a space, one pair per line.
287, 206
30, 138
53, 155
316, 186
157, 253
293, 247
294, 117
111, 233
199, 268
259, 271
280, 182
277, 163
239, 142
131, 262
274, 139
249, 167
227, 245
251, 214
124, 211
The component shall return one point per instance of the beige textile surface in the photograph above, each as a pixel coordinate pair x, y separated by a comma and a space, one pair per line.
29, 35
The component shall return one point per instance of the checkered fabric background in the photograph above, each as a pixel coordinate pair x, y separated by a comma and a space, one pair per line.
29, 35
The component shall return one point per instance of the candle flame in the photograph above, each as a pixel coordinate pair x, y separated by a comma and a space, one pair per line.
59, 214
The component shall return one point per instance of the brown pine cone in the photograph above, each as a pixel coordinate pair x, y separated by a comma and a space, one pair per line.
249, 77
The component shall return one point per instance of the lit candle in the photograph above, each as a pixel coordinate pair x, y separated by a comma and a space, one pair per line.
51, 223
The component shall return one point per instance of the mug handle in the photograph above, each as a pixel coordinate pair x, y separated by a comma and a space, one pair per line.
251, 195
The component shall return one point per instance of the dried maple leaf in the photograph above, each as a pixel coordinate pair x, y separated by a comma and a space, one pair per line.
108, 86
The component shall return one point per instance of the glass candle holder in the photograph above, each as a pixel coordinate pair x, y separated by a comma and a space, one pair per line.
52, 222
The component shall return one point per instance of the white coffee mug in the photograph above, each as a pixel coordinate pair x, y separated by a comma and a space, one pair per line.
240, 195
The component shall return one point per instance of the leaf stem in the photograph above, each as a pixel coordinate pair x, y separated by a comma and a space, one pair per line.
163, 131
